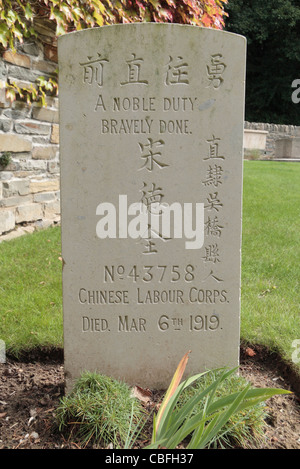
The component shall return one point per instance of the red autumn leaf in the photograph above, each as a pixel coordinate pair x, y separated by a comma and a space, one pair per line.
206, 20
250, 352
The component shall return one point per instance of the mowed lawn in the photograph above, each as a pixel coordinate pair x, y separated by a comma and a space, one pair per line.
271, 255
31, 291
30, 270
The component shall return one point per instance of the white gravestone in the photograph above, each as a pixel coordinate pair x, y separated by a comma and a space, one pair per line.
151, 142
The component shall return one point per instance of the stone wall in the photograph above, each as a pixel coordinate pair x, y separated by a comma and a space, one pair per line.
29, 135
275, 132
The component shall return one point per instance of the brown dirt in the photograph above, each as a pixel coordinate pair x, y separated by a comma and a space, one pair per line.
30, 390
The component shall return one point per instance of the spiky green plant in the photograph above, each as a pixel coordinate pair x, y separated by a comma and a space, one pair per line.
173, 423
98, 410
244, 428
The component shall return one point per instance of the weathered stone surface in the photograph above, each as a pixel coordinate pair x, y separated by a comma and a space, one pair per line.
17, 59
51, 209
7, 221
45, 28
32, 127
3, 71
44, 185
255, 139
44, 152
30, 212
50, 52
53, 167
44, 66
21, 73
152, 114
15, 187
4, 102
17, 111
52, 101
5, 125
5, 175
45, 114
13, 165
43, 224
15, 201
33, 165
30, 47
17, 233
55, 133
288, 147
44, 196
14, 143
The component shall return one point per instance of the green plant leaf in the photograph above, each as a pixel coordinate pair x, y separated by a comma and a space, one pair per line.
28, 11
219, 421
172, 387
204, 426
4, 33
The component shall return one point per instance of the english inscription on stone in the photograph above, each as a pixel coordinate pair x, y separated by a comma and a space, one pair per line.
151, 132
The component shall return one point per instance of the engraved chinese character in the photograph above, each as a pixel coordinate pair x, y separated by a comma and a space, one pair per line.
152, 198
213, 151
212, 228
150, 244
177, 73
214, 176
151, 156
215, 70
93, 70
212, 253
211, 274
149, 247
213, 202
134, 70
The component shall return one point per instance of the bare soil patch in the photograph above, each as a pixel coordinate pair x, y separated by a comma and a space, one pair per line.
30, 390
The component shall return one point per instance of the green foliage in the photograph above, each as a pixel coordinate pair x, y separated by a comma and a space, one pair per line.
270, 255
245, 428
32, 93
99, 409
16, 22
205, 415
213, 408
5, 159
31, 291
273, 56
17, 16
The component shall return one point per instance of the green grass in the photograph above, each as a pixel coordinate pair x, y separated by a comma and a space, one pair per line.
99, 410
244, 428
31, 291
216, 409
30, 270
270, 255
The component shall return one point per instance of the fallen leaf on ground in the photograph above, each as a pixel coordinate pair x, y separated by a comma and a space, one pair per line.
250, 352
144, 395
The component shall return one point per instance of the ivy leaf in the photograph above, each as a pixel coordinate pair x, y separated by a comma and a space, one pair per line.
4, 32
11, 94
99, 18
206, 20
28, 11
